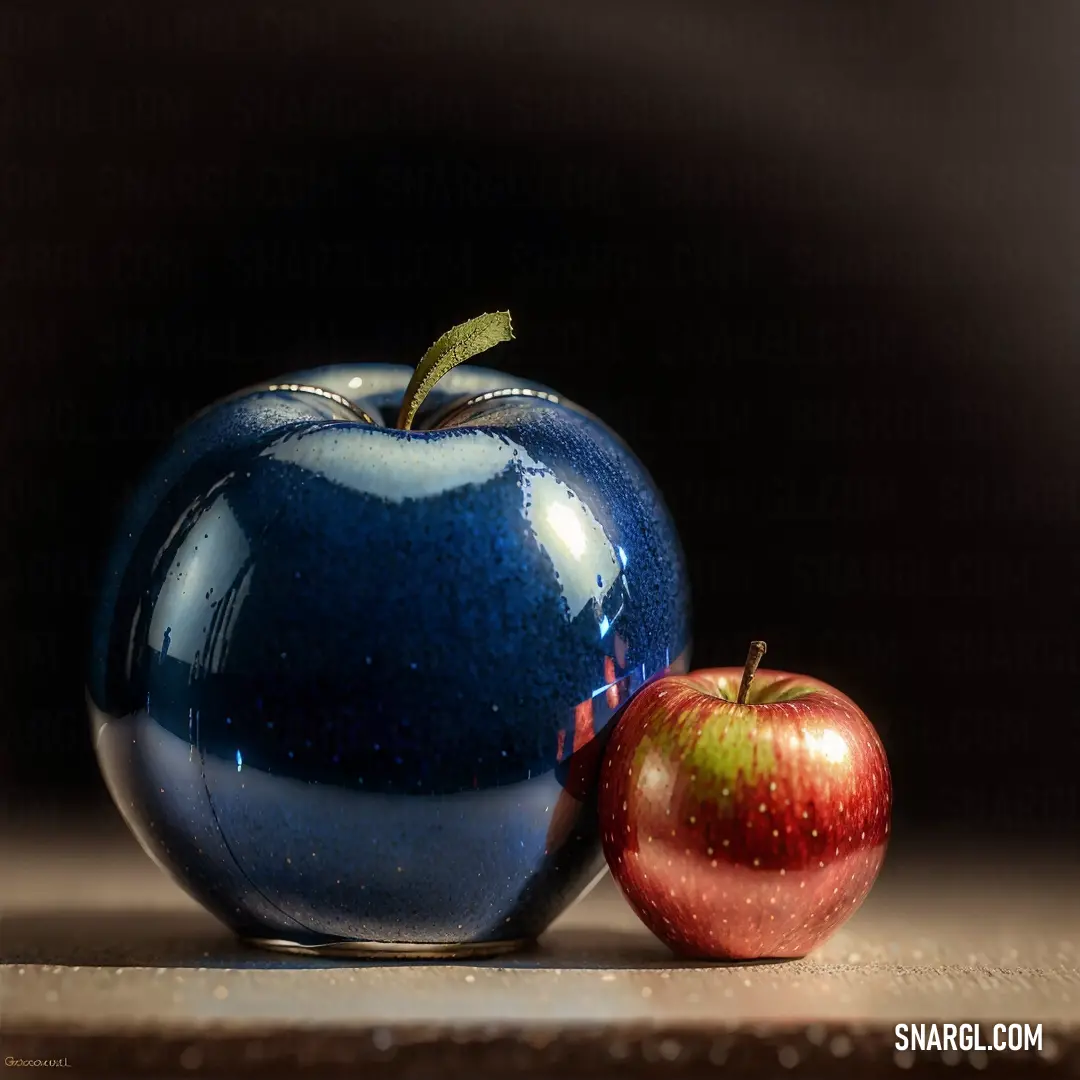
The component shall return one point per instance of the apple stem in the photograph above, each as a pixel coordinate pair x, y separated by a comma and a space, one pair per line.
455, 347
753, 658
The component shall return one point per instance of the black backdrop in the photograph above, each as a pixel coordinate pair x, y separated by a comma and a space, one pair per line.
817, 263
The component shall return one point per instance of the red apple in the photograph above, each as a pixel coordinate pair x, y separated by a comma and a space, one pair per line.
744, 817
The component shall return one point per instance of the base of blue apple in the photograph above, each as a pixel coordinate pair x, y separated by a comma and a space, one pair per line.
394, 950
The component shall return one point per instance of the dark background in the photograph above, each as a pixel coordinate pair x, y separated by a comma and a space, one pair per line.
817, 263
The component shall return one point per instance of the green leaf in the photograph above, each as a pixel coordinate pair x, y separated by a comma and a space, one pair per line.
454, 347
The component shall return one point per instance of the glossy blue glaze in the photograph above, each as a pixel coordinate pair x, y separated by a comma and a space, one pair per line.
350, 682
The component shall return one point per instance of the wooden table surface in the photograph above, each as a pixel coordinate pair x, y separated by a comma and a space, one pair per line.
107, 963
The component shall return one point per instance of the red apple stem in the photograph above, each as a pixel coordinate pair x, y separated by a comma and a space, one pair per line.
753, 658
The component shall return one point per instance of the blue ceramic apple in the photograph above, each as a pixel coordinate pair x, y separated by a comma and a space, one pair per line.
359, 643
